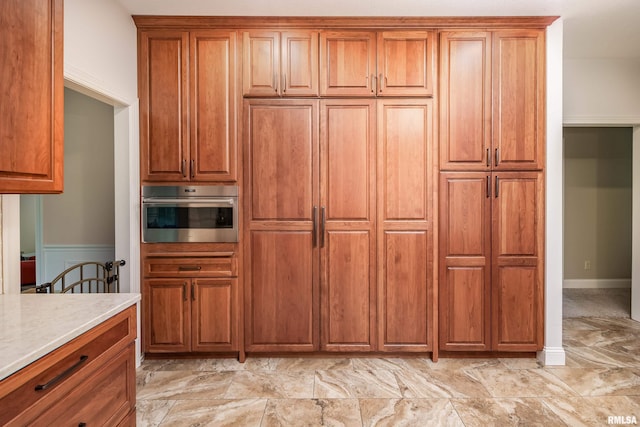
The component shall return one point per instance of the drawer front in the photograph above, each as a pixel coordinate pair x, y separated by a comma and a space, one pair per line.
190, 267
103, 399
42, 383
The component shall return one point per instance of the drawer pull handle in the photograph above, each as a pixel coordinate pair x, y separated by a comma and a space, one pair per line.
82, 425
63, 375
189, 268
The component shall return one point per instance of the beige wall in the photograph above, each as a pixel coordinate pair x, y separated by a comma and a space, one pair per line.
597, 226
27, 223
84, 213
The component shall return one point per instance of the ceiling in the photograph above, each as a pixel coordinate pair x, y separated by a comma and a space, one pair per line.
592, 28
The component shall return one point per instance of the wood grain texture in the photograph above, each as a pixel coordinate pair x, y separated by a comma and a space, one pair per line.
213, 138
518, 99
31, 84
405, 62
299, 63
214, 317
465, 100
347, 63
167, 315
261, 63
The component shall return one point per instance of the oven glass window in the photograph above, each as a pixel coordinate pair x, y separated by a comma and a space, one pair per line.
189, 217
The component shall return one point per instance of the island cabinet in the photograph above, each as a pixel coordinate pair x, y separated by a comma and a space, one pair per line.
280, 63
492, 100
32, 105
187, 89
88, 381
190, 302
368, 63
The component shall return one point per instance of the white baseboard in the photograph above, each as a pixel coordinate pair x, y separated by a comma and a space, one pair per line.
596, 283
552, 356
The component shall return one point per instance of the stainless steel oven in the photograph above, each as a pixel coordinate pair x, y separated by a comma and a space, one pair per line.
190, 213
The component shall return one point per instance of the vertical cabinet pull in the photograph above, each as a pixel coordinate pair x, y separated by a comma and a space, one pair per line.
497, 187
315, 226
275, 82
497, 156
373, 83
184, 168
284, 84
488, 158
324, 225
381, 82
488, 186
193, 168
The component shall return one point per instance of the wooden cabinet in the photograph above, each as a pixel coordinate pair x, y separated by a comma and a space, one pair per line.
190, 304
347, 225
405, 225
280, 63
32, 106
492, 102
187, 87
491, 243
88, 381
389, 63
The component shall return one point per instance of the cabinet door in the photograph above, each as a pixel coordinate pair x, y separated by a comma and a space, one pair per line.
347, 63
465, 101
281, 254
167, 316
214, 314
261, 63
163, 89
213, 106
465, 261
32, 107
518, 236
405, 63
405, 205
347, 239
299, 63
518, 99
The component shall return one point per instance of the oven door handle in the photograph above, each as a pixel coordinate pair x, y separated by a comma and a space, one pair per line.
179, 201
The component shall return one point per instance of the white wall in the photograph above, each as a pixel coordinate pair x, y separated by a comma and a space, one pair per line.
601, 91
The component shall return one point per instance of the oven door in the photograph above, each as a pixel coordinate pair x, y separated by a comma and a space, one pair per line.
212, 219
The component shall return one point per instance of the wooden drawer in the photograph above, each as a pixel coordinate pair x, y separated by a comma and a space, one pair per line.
190, 267
103, 399
41, 384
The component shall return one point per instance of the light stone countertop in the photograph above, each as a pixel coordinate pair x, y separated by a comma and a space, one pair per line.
32, 325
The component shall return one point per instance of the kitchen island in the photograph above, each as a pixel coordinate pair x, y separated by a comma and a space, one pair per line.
58, 350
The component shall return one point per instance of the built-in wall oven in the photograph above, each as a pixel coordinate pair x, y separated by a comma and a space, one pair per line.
190, 213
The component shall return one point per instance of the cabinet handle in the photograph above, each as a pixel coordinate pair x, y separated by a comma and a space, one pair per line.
189, 268
63, 375
284, 84
488, 158
193, 168
373, 83
184, 168
382, 82
275, 82
497, 156
488, 186
324, 226
497, 187
193, 292
315, 226
82, 425
184, 291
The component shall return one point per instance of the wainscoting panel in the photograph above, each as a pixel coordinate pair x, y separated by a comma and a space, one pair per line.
57, 258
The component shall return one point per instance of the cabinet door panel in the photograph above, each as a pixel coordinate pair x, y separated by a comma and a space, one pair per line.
32, 108
282, 312
405, 294
404, 135
214, 314
465, 103
347, 63
465, 264
299, 72
405, 62
213, 101
518, 99
163, 106
261, 63
282, 149
167, 316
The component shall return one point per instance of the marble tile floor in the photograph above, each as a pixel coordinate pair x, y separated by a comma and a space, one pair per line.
601, 379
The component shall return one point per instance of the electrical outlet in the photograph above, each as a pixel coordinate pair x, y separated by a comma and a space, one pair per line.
587, 265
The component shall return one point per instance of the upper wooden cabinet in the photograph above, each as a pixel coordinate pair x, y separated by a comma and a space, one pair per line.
187, 87
32, 104
280, 63
492, 100
389, 63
